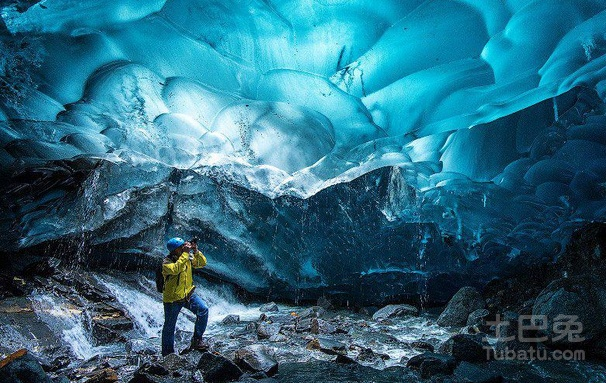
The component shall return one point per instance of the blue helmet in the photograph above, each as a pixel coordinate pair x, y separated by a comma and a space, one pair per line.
173, 243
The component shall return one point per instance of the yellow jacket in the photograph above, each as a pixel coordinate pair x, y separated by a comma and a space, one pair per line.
178, 279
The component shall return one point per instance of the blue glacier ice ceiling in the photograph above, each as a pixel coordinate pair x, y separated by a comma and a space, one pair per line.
364, 148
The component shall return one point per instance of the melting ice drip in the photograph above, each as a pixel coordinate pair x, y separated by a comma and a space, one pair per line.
69, 322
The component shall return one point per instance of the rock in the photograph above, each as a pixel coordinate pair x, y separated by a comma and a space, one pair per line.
58, 363
174, 362
369, 310
508, 337
392, 311
368, 357
469, 348
46, 267
470, 330
256, 358
327, 346
430, 364
267, 330
325, 371
231, 319
11, 286
109, 323
22, 367
463, 303
325, 303
217, 368
319, 326
303, 325
344, 359
106, 375
312, 312
140, 346
469, 373
269, 307
580, 301
278, 338
151, 373
478, 319
422, 346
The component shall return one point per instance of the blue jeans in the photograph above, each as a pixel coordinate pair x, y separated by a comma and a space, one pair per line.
171, 311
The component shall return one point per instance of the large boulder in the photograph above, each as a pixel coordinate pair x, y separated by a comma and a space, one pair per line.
22, 367
217, 368
269, 307
469, 373
469, 348
267, 330
463, 303
256, 358
429, 364
392, 311
575, 311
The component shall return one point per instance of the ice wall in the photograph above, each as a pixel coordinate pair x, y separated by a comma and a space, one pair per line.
484, 119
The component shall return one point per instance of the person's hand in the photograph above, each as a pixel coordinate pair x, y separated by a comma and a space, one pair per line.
187, 246
194, 246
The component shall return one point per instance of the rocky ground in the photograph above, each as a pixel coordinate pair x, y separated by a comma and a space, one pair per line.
320, 343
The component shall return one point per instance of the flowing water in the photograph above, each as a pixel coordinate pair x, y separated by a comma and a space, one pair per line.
70, 323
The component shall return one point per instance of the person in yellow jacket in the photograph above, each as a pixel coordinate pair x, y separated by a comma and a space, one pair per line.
179, 292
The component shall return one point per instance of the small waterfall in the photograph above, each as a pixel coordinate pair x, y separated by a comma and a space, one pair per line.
69, 322
144, 305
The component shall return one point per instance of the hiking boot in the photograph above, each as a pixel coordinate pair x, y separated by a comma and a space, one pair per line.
199, 344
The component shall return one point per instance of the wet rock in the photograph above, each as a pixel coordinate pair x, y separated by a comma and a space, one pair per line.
508, 335
11, 286
463, 303
58, 363
22, 367
269, 307
430, 364
151, 373
278, 338
231, 319
109, 329
469, 373
303, 325
256, 358
323, 371
392, 311
217, 368
470, 330
319, 326
325, 303
46, 267
140, 346
469, 348
478, 319
312, 312
368, 357
344, 359
267, 330
579, 301
173, 362
106, 375
422, 346
88, 287
327, 346
369, 310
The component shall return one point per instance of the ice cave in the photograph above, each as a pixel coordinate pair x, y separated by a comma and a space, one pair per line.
361, 152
